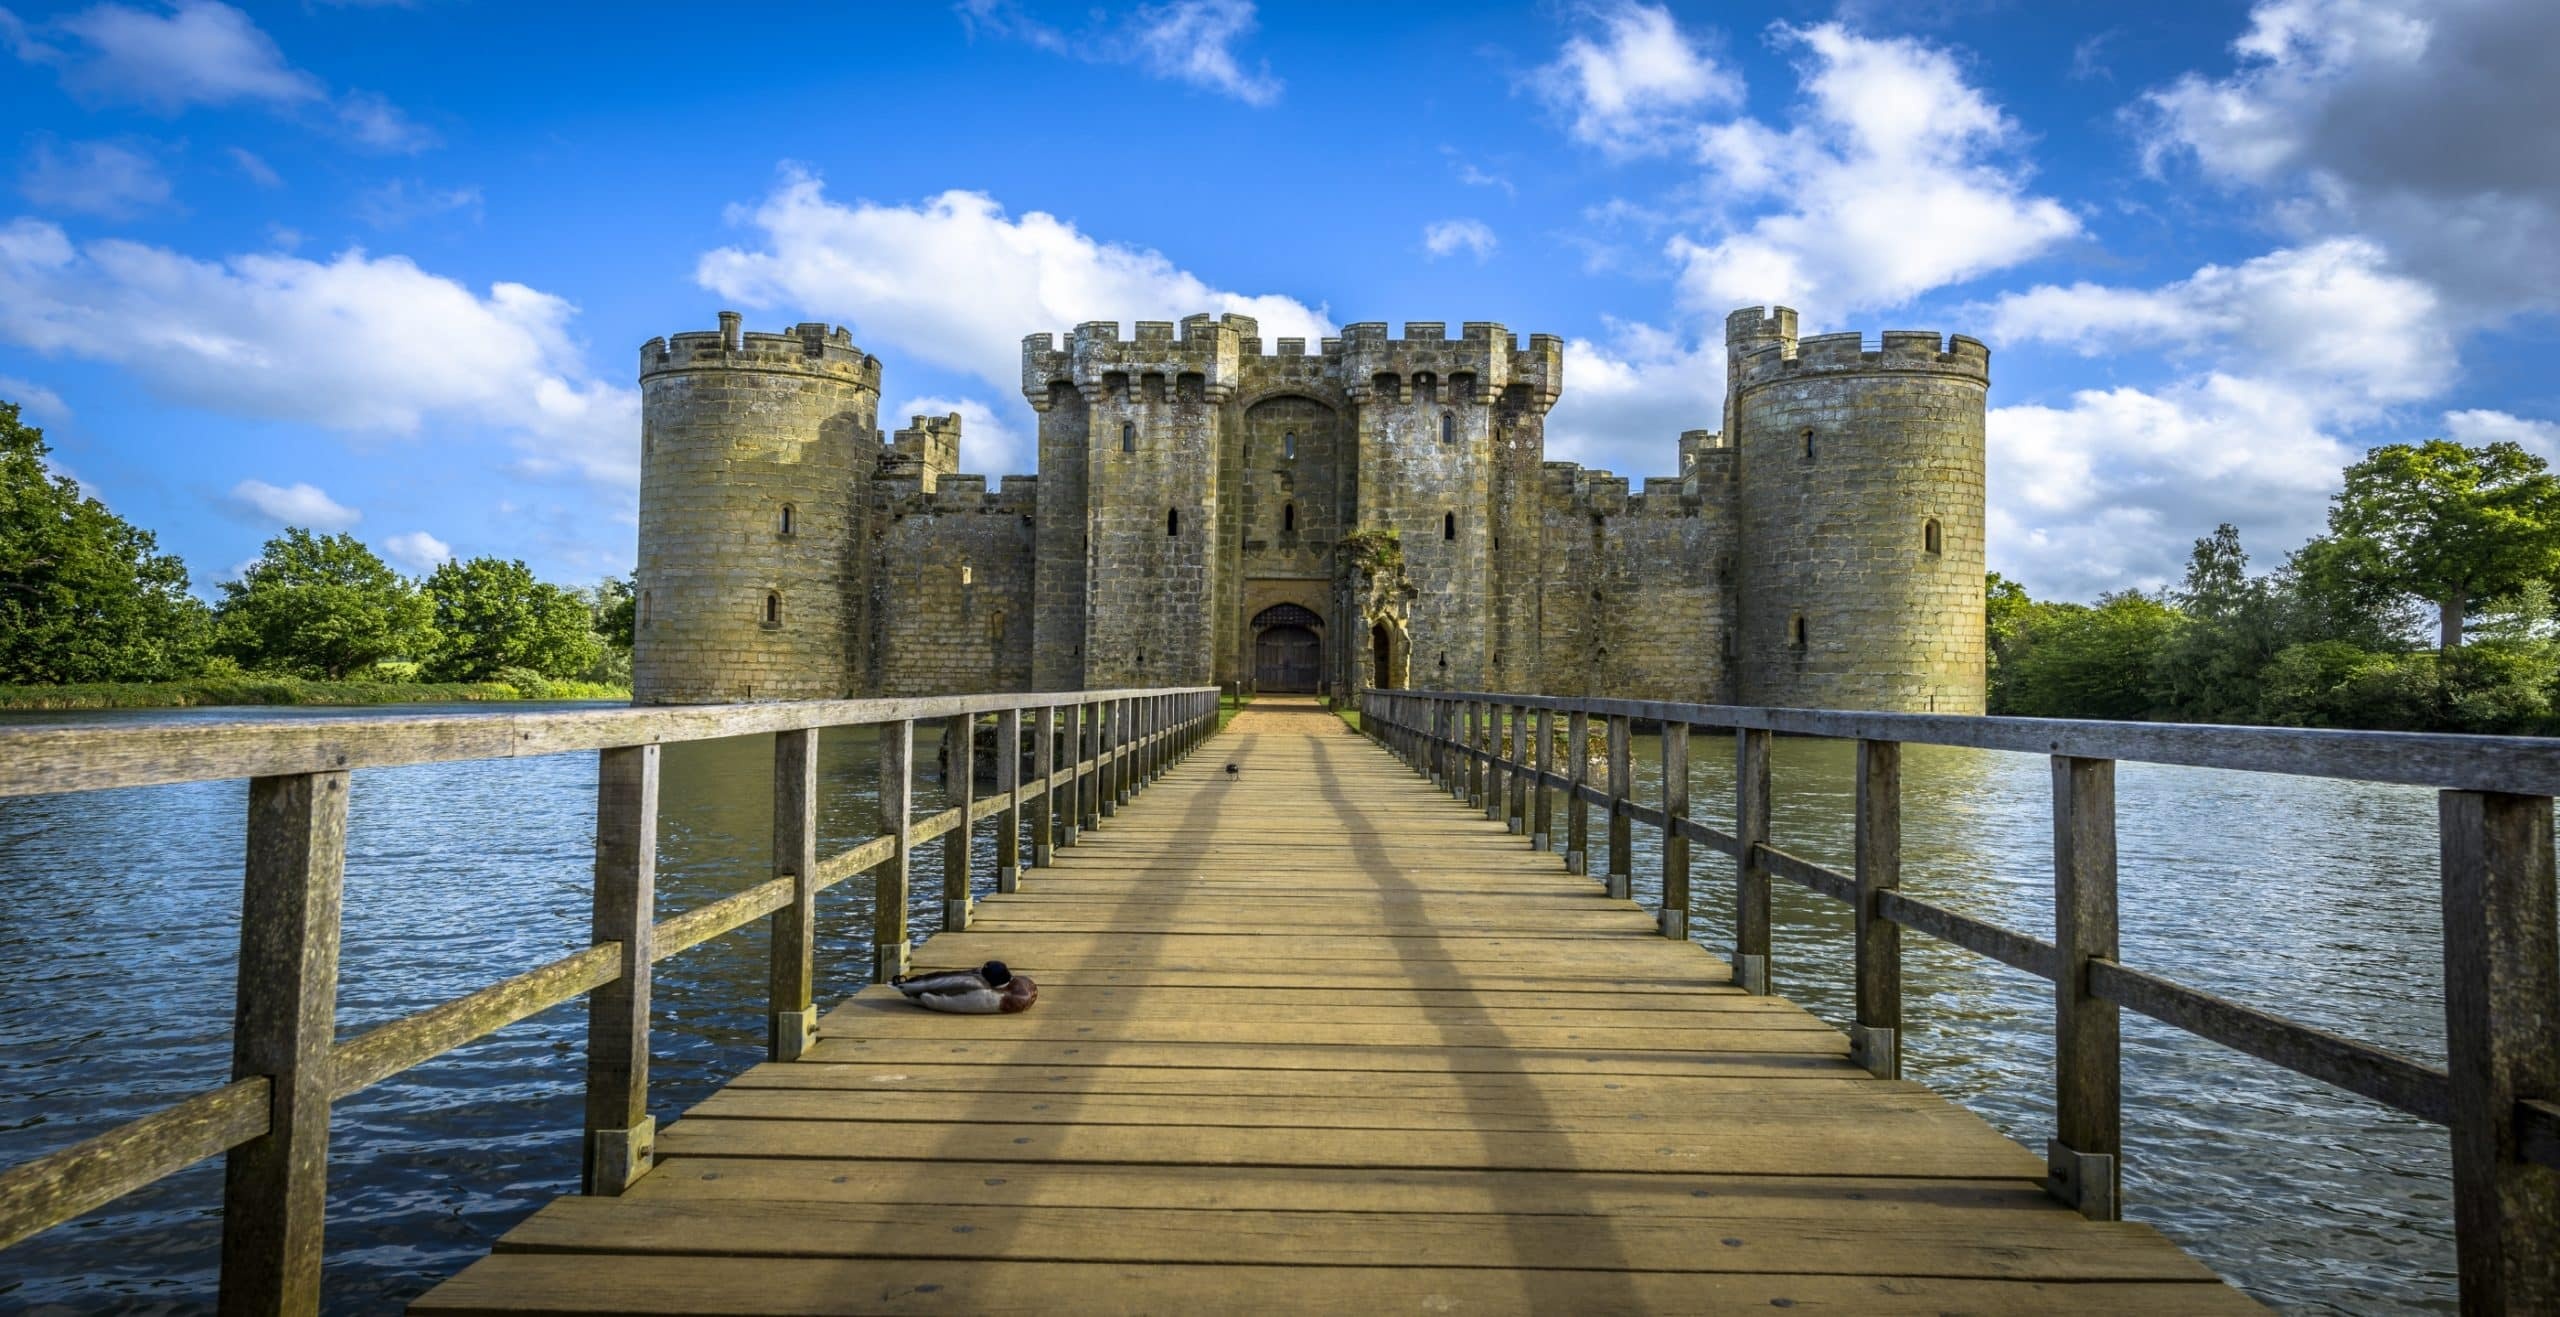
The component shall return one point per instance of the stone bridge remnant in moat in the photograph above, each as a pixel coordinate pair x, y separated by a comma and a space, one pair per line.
1210, 508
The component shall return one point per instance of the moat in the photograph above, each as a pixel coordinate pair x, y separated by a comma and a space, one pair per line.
2314, 898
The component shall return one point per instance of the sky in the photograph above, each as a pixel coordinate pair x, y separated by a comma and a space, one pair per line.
386, 267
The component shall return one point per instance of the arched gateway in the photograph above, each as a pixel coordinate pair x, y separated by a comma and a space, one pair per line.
1288, 650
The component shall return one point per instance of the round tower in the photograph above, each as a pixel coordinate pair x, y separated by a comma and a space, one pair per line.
1861, 498
754, 449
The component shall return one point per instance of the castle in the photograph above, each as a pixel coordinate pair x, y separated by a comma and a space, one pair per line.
1379, 511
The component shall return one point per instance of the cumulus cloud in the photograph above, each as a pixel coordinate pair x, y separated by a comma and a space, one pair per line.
957, 281
1888, 183
199, 52
2477, 426
2423, 123
990, 444
359, 344
297, 504
106, 179
1631, 82
1630, 393
416, 550
1189, 41
1450, 236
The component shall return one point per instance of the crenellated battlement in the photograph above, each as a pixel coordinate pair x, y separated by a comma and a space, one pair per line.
1478, 366
961, 495
1207, 350
812, 347
1587, 492
1769, 356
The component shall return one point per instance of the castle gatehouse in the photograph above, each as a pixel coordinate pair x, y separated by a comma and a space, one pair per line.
1214, 508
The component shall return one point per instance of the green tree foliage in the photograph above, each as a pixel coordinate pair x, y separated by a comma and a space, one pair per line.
2450, 524
2234, 624
493, 616
84, 594
2075, 661
320, 606
616, 604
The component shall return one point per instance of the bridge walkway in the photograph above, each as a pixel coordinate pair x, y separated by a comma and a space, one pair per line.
1313, 1037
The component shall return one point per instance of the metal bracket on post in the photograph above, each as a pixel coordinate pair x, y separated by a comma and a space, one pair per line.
793, 1031
1751, 974
621, 1157
1675, 924
1878, 1051
1008, 880
1575, 863
955, 915
2084, 1180
1622, 887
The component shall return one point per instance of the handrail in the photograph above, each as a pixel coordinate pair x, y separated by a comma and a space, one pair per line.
2500, 1094
271, 1120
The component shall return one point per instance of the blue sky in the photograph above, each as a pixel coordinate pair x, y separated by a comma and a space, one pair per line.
387, 267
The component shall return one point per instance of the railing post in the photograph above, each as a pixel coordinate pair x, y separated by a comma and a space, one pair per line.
1622, 863
1088, 771
889, 886
1044, 804
1009, 785
1577, 811
1475, 748
1675, 843
1875, 1039
960, 751
1751, 876
1519, 772
621, 1137
791, 1017
1125, 729
1108, 732
1496, 794
2502, 1043
1542, 814
275, 1187
2084, 1160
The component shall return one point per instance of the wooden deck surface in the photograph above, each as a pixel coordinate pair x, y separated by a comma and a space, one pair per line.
1319, 1039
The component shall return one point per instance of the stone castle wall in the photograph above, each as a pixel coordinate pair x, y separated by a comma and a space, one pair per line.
1190, 479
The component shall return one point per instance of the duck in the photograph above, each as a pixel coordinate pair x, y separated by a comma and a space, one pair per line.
990, 989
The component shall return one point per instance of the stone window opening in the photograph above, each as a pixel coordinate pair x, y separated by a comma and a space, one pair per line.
1173, 521
1448, 525
773, 608
1448, 427
965, 575
1932, 540
790, 520
1289, 446
1808, 445
1795, 632
1128, 437
1288, 518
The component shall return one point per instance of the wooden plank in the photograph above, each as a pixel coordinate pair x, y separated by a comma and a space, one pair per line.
2088, 1145
619, 1133
1875, 1039
386, 1050
49, 1190
1599, 1058
275, 1186
1577, 1088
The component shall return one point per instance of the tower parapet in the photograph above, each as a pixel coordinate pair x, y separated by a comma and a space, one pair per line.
927, 451
1203, 364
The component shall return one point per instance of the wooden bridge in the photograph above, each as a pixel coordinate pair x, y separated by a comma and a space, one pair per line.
1319, 1033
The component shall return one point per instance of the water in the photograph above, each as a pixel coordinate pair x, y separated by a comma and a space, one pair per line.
2316, 899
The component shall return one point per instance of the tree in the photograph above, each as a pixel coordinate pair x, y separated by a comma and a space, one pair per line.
84, 594
2236, 623
320, 606
2074, 661
616, 603
492, 615
2451, 524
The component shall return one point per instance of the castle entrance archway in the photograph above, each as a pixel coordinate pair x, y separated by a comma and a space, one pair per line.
1288, 650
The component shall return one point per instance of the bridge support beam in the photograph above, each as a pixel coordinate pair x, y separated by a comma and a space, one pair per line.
2084, 1160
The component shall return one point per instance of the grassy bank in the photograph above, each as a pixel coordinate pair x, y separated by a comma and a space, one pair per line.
1229, 706
204, 692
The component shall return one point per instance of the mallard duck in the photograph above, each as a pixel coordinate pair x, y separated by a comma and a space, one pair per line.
990, 989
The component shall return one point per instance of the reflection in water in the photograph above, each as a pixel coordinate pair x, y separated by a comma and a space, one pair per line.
2314, 898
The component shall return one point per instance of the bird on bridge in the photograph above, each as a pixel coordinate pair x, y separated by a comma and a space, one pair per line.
1233, 771
990, 989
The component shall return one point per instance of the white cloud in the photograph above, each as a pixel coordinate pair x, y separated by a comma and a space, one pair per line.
2477, 426
255, 166
34, 399
2420, 123
401, 202
1628, 397
297, 504
358, 343
1634, 86
1191, 41
105, 179
989, 444
957, 281
2332, 319
416, 550
1885, 185
1450, 236
201, 52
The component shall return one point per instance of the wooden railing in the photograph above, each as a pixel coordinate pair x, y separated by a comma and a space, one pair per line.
2500, 1093
287, 1065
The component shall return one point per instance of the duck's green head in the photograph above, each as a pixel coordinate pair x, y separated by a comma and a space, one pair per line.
995, 974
